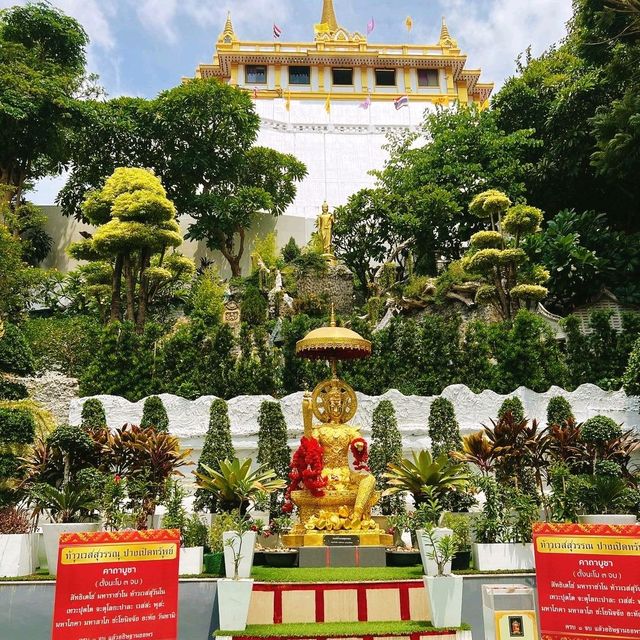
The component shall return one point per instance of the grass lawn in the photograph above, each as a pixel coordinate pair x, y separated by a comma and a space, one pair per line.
331, 629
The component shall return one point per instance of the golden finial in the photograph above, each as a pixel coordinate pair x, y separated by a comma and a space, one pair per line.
332, 322
445, 37
228, 35
329, 15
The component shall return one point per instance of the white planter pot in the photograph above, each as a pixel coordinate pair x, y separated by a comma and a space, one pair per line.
246, 552
425, 546
191, 562
51, 534
495, 557
234, 598
603, 518
445, 600
16, 554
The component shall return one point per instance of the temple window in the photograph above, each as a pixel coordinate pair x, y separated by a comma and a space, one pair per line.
342, 76
256, 74
428, 78
299, 75
386, 77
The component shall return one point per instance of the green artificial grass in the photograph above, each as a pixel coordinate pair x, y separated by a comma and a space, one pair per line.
336, 574
331, 629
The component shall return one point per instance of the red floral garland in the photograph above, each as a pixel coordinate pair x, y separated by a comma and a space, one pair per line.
360, 456
305, 471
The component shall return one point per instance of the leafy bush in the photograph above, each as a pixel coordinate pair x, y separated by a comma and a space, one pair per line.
273, 448
386, 447
600, 429
62, 343
17, 426
207, 296
15, 354
291, 251
444, 429
221, 523
217, 446
253, 308
514, 406
559, 411
154, 414
10, 390
93, 415
14, 521
632, 373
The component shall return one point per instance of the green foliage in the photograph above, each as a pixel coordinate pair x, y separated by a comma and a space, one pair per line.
217, 446
632, 373
175, 515
273, 448
69, 504
486, 240
300, 374
514, 407
386, 448
15, 354
14, 276
222, 522
207, 296
460, 525
12, 390
93, 415
17, 426
444, 430
195, 532
253, 308
154, 414
291, 251
600, 429
559, 411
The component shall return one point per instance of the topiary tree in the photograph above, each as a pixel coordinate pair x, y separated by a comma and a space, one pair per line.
631, 378
599, 429
17, 431
15, 353
93, 415
154, 414
444, 429
253, 308
514, 406
559, 411
217, 446
386, 447
291, 251
273, 447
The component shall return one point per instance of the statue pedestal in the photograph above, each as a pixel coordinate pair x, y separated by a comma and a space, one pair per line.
316, 538
316, 557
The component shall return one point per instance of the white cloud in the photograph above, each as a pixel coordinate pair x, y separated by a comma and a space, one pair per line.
493, 33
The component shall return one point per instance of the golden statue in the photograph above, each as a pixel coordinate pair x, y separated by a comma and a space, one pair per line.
332, 496
324, 223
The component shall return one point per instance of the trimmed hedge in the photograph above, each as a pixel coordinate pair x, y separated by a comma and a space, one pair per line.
15, 354
559, 411
154, 414
93, 415
17, 426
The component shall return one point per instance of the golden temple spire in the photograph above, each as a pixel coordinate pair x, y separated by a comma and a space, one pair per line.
228, 35
329, 15
445, 37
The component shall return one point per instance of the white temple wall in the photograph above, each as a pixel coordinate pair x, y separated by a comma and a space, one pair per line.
188, 419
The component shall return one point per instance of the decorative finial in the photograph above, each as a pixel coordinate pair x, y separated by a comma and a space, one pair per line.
332, 322
329, 15
445, 37
228, 35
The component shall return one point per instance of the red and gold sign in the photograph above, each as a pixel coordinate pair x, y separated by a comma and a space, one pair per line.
588, 579
117, 585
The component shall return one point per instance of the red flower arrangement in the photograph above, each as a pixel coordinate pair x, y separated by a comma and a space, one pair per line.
306, 471
360, 454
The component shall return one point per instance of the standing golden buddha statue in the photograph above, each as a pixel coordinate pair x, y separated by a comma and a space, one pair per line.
332, 495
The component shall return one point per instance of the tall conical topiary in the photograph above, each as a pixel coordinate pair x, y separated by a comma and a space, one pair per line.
559, 411
154, 414
444, 429
514, 406
217, 446
93, 415
386, 447
273, 447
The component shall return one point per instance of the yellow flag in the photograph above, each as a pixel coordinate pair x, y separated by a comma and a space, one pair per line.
322, 27
287, 104
327, 104
409, 23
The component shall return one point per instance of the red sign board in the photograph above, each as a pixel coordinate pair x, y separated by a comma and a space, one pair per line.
117, 585
588, 579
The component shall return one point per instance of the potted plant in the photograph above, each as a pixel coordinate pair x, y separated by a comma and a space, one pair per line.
443, 589
280, 556
459, 524
426, 532
402, 554
16, 543
71, 509
214, 559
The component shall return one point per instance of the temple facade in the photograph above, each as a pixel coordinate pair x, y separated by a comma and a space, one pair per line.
332, 101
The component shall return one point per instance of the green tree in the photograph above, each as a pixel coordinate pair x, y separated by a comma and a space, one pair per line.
15, 277
42, 60
632, 373
444, 429
136, 226
513, 406
217, 446
92, 415
559, 411
154, 414
386, 447
273, 447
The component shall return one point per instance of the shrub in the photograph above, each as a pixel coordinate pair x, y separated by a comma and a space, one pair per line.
154, 414
600, 429
559, 411
217, 446
273, 448
13, 520
15, 354
207, 296
291, 251
10, 390
514, 406
93, 415
444, 429
632, 373
17, 426
175, 516
386, 447
253, 308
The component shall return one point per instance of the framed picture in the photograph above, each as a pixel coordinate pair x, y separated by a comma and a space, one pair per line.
516, 627
516, 624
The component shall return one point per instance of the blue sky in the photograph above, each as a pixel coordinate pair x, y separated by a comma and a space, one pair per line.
140, 47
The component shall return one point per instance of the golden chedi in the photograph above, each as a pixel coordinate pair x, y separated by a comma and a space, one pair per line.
333, 496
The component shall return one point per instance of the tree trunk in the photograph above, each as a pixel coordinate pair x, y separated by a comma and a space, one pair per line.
116, 288
226, 248
141, 317
131, 285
